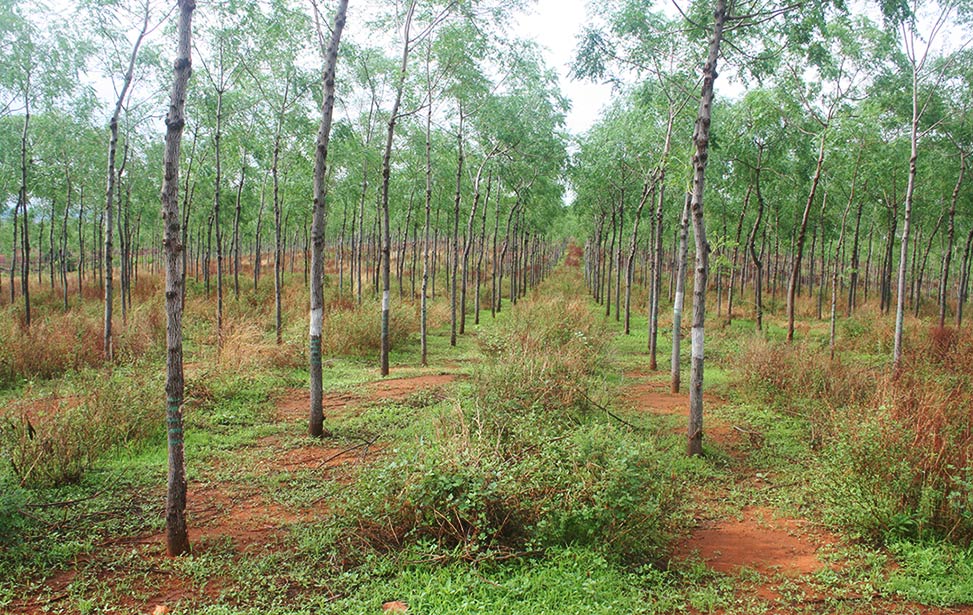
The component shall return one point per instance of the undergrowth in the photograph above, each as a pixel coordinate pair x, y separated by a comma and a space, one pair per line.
521, 465
895, 446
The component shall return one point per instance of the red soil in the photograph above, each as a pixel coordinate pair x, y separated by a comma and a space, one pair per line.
758, 541
294, 403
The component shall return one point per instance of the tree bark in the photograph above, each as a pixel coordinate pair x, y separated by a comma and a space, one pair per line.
319, 223
177, 538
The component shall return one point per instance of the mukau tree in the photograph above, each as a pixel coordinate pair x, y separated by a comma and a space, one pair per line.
177, 538
316, 420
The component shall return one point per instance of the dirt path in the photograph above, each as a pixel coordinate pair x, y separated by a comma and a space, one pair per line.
775, 562
760, 549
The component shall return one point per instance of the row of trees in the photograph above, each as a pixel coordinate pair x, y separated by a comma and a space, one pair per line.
839, 173
450, 149
475, 121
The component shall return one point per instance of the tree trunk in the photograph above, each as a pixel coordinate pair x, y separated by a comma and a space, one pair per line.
701, 142
455, 239
950, 239
679, 298
319, 223
177, 539
906, 224
801, 236
110, 190
24, 235
278, 207
386, 172
647, 189
751, 244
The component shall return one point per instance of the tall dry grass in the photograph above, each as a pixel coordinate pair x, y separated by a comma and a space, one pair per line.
896, 445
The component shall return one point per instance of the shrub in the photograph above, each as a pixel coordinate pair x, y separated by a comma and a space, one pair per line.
56, 446
519, 466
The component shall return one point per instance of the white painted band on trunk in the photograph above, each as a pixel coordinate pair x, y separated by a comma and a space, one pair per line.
697, 343
680, 301
385, 301
317, 317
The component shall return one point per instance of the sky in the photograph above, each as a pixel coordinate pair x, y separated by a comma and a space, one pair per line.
555, 25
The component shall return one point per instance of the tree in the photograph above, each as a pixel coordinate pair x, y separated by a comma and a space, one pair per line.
700, 156
112, 178
316, 421
177, 538
918, 52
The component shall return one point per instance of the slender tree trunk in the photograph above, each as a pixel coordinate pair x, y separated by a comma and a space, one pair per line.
964, 279
751, 244
24, 235
278, 208
177, 539
469, 240
235, 243
837, 254
647, 188
110, 190
734, 272
454, 256
319, 223
679, 298
700, 157
950, 238
386, 171
855, 263
424, 300
479, 261
906, 224
801, 236
81, 261
63, 253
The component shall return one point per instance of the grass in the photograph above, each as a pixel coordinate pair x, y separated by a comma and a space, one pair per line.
562, 561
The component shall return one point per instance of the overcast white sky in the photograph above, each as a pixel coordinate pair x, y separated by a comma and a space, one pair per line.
555, 24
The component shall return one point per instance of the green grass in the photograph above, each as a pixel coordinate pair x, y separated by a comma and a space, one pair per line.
230, 420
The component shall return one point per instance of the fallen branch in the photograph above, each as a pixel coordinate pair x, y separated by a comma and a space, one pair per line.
364, 445
610, 413
64, 503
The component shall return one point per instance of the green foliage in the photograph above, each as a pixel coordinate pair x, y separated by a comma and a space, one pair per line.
58, 446
936, 573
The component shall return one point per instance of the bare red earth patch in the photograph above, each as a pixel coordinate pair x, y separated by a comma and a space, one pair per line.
655, 397
401, 388
315, 457
294, 404
759, 542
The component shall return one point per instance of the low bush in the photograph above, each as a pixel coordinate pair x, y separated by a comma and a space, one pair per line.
519, 466
56, 445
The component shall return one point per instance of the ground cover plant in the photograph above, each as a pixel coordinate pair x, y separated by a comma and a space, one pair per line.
406, 336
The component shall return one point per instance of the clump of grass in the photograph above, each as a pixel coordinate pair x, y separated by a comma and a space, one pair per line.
58, 342
357, 332
896, 445
55, 446
519, 466
542, 361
